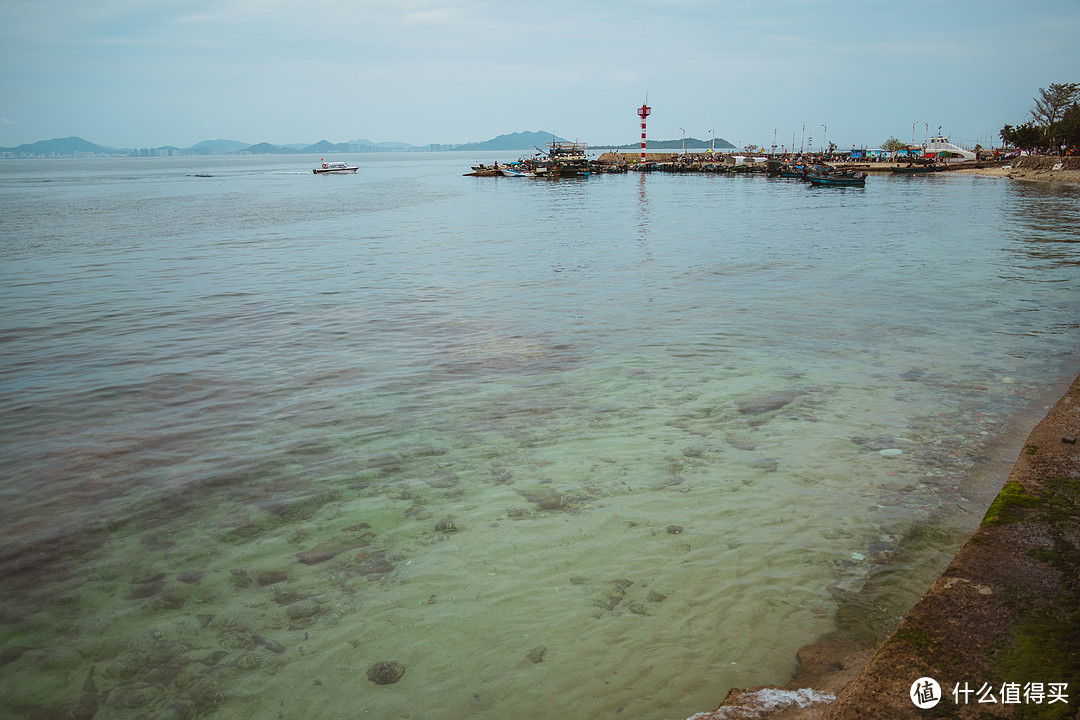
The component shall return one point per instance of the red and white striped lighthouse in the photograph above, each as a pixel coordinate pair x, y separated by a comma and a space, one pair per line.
643, 112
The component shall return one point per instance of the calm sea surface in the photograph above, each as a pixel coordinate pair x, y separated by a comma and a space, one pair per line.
556, 448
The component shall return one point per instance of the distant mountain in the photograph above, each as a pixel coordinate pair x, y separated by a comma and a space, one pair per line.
265, 148
518, 141
513, 141
721, 144
325, 146
64, 146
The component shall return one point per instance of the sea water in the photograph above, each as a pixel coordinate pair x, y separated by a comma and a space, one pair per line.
571, 448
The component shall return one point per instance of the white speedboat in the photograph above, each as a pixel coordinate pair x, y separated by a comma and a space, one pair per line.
506, 171
334, 167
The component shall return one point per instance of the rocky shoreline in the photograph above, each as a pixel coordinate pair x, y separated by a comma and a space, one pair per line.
1041, 168
1004, 615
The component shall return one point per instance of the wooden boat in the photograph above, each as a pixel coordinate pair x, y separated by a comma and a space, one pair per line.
918, 167
482, 170
837, 179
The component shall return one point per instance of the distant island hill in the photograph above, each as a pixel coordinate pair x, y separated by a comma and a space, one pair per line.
519, 141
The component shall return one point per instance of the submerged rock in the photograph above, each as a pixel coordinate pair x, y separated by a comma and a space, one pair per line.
386, 672
271, 577
213, 658
608, 597
303, 609
537, 654
875, 444
547, 500
768, 403
326, 551
447, 526
272, 645
190, 577
301, 505
146, 590
11, 654
240, 579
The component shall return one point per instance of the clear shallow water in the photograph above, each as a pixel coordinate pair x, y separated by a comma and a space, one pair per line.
651, 431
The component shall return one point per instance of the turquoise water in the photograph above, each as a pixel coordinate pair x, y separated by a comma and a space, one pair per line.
569, 448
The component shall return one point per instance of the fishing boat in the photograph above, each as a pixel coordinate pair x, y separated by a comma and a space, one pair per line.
334, 167
918, 167
563, 159
843, 179
481, 170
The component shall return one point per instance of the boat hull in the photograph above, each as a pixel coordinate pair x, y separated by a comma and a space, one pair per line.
836, 180
916, 169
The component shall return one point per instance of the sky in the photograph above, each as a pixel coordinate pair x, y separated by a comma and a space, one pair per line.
148, 73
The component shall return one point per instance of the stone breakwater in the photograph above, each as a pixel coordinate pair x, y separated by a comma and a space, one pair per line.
1005, 611
1041, 168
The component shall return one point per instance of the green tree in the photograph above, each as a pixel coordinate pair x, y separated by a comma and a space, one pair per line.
1069, 127
894, 145
1052, 102
1026, 137
1051, 105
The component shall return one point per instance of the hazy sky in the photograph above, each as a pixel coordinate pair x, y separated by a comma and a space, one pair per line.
141, 73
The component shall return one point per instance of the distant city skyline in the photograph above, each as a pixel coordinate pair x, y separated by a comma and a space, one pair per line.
128, 74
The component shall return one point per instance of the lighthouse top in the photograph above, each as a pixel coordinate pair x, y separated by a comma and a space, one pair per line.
644, 111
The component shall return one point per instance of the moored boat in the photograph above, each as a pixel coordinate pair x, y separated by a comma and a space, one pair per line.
481, 170
917, 168
844, 179
508, 171
564, 159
